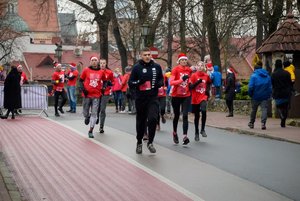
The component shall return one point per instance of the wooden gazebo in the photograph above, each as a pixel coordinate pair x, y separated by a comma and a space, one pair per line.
284, 43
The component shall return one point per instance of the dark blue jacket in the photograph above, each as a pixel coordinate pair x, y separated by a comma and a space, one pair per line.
146, 72
260, 86
216, 77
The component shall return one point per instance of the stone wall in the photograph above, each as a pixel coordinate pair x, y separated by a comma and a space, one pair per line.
240, 106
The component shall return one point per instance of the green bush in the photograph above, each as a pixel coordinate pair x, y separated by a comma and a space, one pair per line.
243, 95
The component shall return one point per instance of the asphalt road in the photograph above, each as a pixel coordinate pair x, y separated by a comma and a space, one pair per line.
271, 164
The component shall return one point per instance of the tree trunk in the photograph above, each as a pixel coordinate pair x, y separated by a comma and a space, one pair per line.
289, 6
170, 33
274, 19
298, 5
182, 26
208, 11
119, 41
259, 18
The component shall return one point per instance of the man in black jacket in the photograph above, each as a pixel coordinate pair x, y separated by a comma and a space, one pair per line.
282, 90
146, 77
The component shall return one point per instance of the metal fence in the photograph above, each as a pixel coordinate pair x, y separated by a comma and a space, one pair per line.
34, 97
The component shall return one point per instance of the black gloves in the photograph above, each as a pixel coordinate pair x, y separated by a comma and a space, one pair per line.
192, 86
185, 77
109, 83
198, 82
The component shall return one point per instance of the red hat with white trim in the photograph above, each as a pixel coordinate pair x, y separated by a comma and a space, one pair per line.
94, 58
73, 65
182, 56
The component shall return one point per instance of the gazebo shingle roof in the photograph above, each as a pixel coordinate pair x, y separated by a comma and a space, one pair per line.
285, 39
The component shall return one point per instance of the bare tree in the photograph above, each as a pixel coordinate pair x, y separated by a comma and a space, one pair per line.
208, 10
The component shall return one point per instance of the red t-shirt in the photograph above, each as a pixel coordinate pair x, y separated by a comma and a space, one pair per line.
180, 88
198, 93
59, 78
125, 82
23, 78
108, 76
74, 80
117, 83
92, 82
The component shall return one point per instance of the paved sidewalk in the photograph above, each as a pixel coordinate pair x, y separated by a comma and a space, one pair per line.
239, 123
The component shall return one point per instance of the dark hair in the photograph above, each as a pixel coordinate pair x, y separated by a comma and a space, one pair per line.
286, 64
278, 63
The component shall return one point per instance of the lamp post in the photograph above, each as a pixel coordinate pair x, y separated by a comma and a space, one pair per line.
58, 52
145, 29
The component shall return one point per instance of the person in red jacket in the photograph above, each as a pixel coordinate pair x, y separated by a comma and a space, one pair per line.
106, 92
72, 75
199, 83
125, 89
181, 95
58, 80
117, 89
91, 84
24, 79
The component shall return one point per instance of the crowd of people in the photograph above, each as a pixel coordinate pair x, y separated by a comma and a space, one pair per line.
150, 92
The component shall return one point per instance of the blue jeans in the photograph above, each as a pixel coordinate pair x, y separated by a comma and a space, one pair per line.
72, 97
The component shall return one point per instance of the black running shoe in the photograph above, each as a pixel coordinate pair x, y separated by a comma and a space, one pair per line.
87, 120
197, 137
101, 130
175, 138
186, 140
61, 110
139, 148
203, 133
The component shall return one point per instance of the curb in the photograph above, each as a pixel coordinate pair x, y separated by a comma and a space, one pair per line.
246, 132
10, 187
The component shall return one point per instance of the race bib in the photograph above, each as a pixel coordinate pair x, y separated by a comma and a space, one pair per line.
146, 86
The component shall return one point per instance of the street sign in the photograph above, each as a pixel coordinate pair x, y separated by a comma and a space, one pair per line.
154, 52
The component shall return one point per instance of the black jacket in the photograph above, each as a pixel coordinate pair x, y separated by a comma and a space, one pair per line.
281, 83
230, 87
146, 73
12, 90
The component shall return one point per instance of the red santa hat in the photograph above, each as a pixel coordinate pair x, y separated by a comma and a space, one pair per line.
182, 56
73, 65
94, 57
56, 64
231, 70
209, 66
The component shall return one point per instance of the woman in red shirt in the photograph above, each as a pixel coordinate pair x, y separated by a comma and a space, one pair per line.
181, 95
199, 85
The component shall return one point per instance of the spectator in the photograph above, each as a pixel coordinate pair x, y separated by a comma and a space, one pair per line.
216, 78
72, 75
117, 89
260, 91
24, 79
230, 90
12, 92
282, 90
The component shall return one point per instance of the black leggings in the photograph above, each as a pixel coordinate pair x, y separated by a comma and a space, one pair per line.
203, 121
229, 104
184, 102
